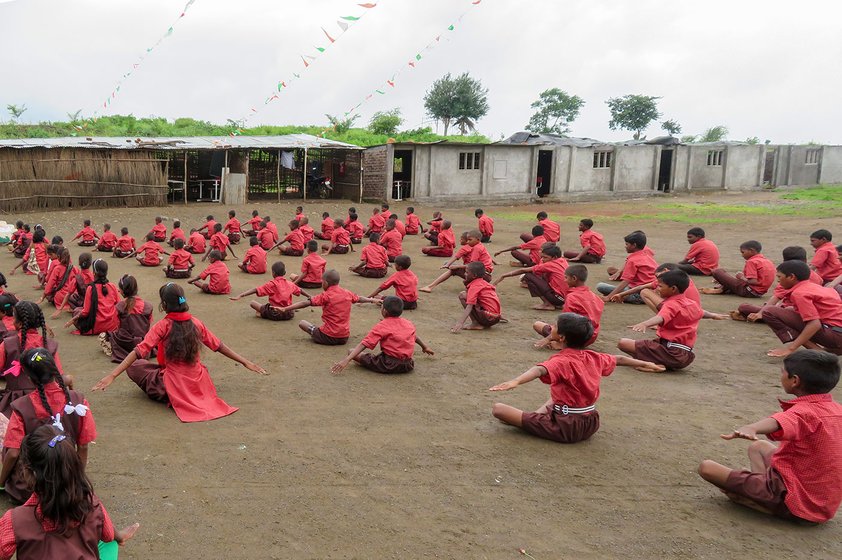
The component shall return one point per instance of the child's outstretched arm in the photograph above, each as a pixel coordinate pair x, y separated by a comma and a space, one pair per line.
228, 353
809, 331
751, 431
343, 363
374, 293
424, 348
509, 250
639, 365
618, 298
369, 299
619, 289
461, 322
230, 249
244, 294
299, 305
103, 383
517, 272
529, 375
651, 322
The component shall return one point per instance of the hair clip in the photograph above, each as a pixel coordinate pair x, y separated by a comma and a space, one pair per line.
56, 439
182, 299
36, 357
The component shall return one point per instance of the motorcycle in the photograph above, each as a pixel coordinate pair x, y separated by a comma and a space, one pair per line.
318, 185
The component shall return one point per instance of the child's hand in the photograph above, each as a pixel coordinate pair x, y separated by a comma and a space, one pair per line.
56, 314
338, 367
254, 367
428, 350
746, 432
49, 330
740, 276
640, 327
507, 386
126, 534
456, 328
103, 383
616, 298
497, 281
541, 343
780, 352
651, 367
68, 324
12, 273
719, 316
235, 298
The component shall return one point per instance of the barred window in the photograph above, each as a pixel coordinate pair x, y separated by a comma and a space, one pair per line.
715, 158
601, 160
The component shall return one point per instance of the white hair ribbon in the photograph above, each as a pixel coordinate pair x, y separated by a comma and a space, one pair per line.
79, 409
57, 422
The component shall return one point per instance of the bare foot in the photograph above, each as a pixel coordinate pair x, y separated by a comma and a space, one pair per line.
516, 264
737, 316
426, 289
544, 307
474, 328
711, 291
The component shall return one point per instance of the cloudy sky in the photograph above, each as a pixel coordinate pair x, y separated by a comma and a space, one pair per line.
761, 68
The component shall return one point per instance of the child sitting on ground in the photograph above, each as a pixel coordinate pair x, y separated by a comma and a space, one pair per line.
391, 240
254, 223
413, 223
432, 233
148, 253
312, 268
677, 322
254, 261
757, 276
355, 229
397, 339
135, 317
580, 300
799, 479
232, 228
545, 280
446, 242
125, 246
340, 240
87, 234
296, 241
529, 252
574, 376
404, 281
307, 230
217, 274
180, 262
826, 260
327, 227
480, 300
176, 233
159, 230
593, 245
108, 241
280, 292
471, 250
265, 237
639, 270
373, 259
195, 243
219, 242
703, 257
207, 229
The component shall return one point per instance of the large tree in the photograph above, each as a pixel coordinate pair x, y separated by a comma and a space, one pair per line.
716, 133
633, 112
461, 99
671, 127
556, 109
385, 122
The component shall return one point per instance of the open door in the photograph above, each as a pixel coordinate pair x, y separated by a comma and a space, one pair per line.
665, 171
769, 165
543, 180
402, 175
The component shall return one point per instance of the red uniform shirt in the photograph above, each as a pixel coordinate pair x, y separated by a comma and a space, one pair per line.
274, 229
692, 292
405, 283
255, 223
180, 260
159, 232
299, 217
55, 276
582, 301
340, 236
574, 376
376, 222
552, 231
312, 267
355, 228
681, 320
704, 255
280, 291
480, 253
151, 251
400, 228
553, 272
374, 256
307, 232
106, 309
809, 458
826, 262
209, 226
218, 282
464, 253
125, 243
446, 239
295, 239
336, 303
413, 224
197, 242
327, 226
177, 233
391, 240
395, 335
486, 226
783, 294
593, 241
219, 242
435, 224
483, 294
87, 233
534, 248
232, 226
265, 238
56, 399
639, 268
761, 269
816, 302
255, 260
108, 240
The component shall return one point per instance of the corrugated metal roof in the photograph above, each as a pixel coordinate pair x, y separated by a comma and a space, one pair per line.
288, 141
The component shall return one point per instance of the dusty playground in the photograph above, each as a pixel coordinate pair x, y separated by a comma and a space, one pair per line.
414, 466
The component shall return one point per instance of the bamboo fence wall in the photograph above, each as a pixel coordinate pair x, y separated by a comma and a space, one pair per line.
67, 178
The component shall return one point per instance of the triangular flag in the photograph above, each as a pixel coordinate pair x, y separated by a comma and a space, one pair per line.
476, 2
320, 49
342, 25
450, 28
169, 32
296, 75
366, 5
417, 57
369, 96
412, 64
310, 57
391, 83
380, 92
437, 38
349, 18
305, 62
329, 38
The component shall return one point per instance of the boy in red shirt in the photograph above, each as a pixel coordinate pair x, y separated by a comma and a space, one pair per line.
574, 375
312, 268
219, 242
265, 237
254, 223
677, 322
826, 260
180, 262
479, 300
552, 231
355, 229
280, 292
87, 233
397, 339
533, 246
391, 240
639, 270
196, 243
159, 230
267, 223
757, 276
295, 239
373, 259
125, 246
815, 319
327, 227
150, 251
108, 240
335, 302
217, 274
434, 229
799, 479
306, 230
404, 281
446, 242
593, 245
579, 300
299, 214
254, 261
471, 250
399, 225
208, 227
485, 225
340, 240
413, 223
703, 257
375, 223
545, 280
232, 226
176, 233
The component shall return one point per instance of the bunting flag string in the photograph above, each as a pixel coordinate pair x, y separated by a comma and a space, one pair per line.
410, 64
344, 23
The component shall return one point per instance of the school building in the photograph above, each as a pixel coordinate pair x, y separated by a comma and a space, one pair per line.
529, 166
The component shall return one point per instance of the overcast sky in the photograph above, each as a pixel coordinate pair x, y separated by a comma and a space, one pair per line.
761, 68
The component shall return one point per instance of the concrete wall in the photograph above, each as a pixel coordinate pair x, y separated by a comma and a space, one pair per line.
799, 172
635, 168
831, 165
508, 171
696, 173
744, 166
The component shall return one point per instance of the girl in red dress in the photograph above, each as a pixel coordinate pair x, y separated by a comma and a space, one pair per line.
60, 280
135, 319
179, 377
99, 311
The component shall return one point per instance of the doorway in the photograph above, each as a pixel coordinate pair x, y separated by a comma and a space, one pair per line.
402, 175
769, 166
543, 179
665, 171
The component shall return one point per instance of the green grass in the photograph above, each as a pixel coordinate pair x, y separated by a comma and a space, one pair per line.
826, 193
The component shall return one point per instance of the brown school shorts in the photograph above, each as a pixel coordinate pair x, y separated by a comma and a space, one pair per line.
766, 489
383, 363
340, 249
560, 427
311, 285
321, 338
372, 272
655, 350
173, 273
272, 313
409, 305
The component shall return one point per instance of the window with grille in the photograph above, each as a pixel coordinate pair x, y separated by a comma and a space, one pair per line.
601, 160
812, 156
469, 160
715, 158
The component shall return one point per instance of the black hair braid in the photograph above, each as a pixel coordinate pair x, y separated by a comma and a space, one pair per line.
60, 380
43, 325
23, 317
43, 395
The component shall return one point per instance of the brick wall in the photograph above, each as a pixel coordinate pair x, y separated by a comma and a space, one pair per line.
374, 178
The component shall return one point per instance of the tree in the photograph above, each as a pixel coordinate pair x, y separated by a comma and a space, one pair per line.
633, 112
74, 117
556, 109
671, 127
15, 111
385, 122
341, 125
460, 99
689, 139
716, 133
752, 140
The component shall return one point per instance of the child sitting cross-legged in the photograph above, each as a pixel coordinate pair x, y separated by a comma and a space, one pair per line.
280, 292
799, 479
574, 375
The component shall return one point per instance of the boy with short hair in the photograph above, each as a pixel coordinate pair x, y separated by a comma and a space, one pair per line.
265, 237
254, 261
306, 229
399, 225
397, 339
404, 281
545, 280
413, 223
299, 214
480, 300
88, 235
108, 240
677, 322
435, 227
446, 242
180, 262
196, 242
485, 225
703, 257
125, 246
533, 246
639, 270
355, 229
375, 223
335, 302
327, 227
390, 239
815, 319
217, 274
799, 479
280, 292
176, 233
757, 276
552, 231
471, 250
653, 300
574, 376
219, 242
593, 245
580, 300
159, 230
267, 223
373, 259
208, 227
826, 260
312, 268
340, 240
295, 239
150, 251
254, 223
232, 226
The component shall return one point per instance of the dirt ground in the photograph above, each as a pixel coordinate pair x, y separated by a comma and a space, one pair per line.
414, 466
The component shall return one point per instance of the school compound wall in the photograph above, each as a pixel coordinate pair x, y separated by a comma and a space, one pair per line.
718, 166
